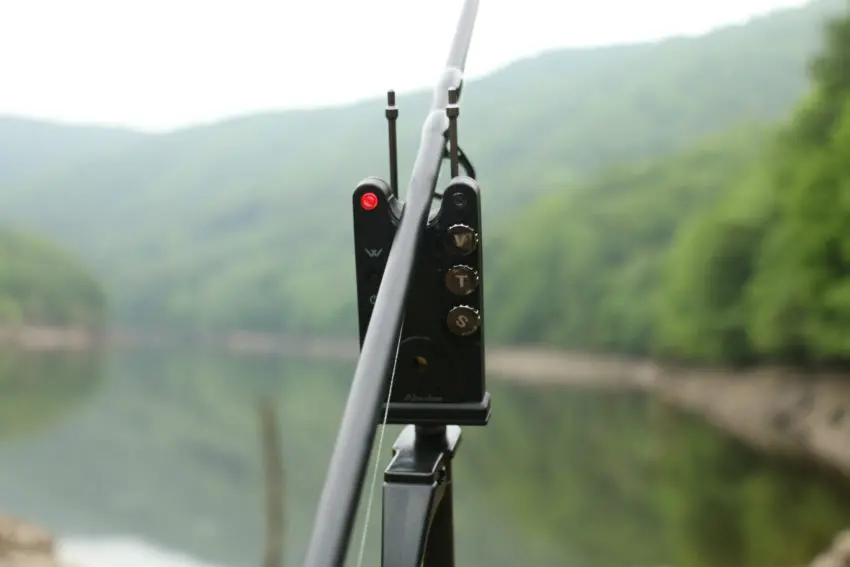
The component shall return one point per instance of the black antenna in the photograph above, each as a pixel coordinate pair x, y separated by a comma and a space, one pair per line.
452, 111
392, 116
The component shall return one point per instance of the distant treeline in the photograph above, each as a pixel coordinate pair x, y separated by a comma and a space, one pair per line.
737, 251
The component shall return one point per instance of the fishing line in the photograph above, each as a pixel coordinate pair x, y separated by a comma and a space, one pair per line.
374, 482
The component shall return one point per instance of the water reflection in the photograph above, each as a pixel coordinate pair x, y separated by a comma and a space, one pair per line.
619, 480
37, 391
166, 448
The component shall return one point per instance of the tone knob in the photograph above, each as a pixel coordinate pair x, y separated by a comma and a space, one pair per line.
461, 239
461, 280
463, 320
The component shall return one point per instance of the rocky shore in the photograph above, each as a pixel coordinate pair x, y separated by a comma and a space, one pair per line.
838, 555
780, 411
24, 544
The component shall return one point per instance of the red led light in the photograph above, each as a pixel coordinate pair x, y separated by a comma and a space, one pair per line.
369, 201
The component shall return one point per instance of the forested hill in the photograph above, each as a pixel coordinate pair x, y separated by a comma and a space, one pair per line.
737, 251
245, 224
42, 284
591, 108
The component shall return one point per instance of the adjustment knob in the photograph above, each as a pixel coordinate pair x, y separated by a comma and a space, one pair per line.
461, 239
461, 280
463, 320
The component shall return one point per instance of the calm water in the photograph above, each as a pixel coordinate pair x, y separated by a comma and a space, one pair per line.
162, 447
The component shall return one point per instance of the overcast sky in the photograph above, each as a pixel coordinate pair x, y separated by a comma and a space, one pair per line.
162, 64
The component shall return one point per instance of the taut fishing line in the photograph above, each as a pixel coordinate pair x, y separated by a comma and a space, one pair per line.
374, 482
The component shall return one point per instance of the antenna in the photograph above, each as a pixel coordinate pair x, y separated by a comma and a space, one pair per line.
392, 116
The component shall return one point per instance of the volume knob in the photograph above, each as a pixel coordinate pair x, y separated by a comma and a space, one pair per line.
461, 239
463, 320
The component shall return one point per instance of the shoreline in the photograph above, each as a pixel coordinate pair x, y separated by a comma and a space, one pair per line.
780, 411
784, 412
24, 543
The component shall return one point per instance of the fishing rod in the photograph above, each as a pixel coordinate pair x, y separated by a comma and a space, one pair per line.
420, 308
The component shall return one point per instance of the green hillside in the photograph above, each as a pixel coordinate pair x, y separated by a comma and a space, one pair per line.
583, 269
738, 251
246, 223
41, 283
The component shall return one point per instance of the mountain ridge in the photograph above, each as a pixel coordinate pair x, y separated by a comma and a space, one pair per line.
246, 223
818, 8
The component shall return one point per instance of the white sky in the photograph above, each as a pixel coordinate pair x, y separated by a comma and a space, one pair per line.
162, 64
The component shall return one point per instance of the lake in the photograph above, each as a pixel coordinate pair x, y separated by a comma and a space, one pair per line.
113, 449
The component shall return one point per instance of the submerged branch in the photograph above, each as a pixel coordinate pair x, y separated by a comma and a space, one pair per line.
273, 467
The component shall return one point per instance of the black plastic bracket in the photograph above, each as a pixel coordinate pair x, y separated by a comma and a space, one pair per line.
438, 376
439, 372
418, 509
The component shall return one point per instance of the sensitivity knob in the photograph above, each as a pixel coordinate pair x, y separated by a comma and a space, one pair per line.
461, 239
463, 320
461, 280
